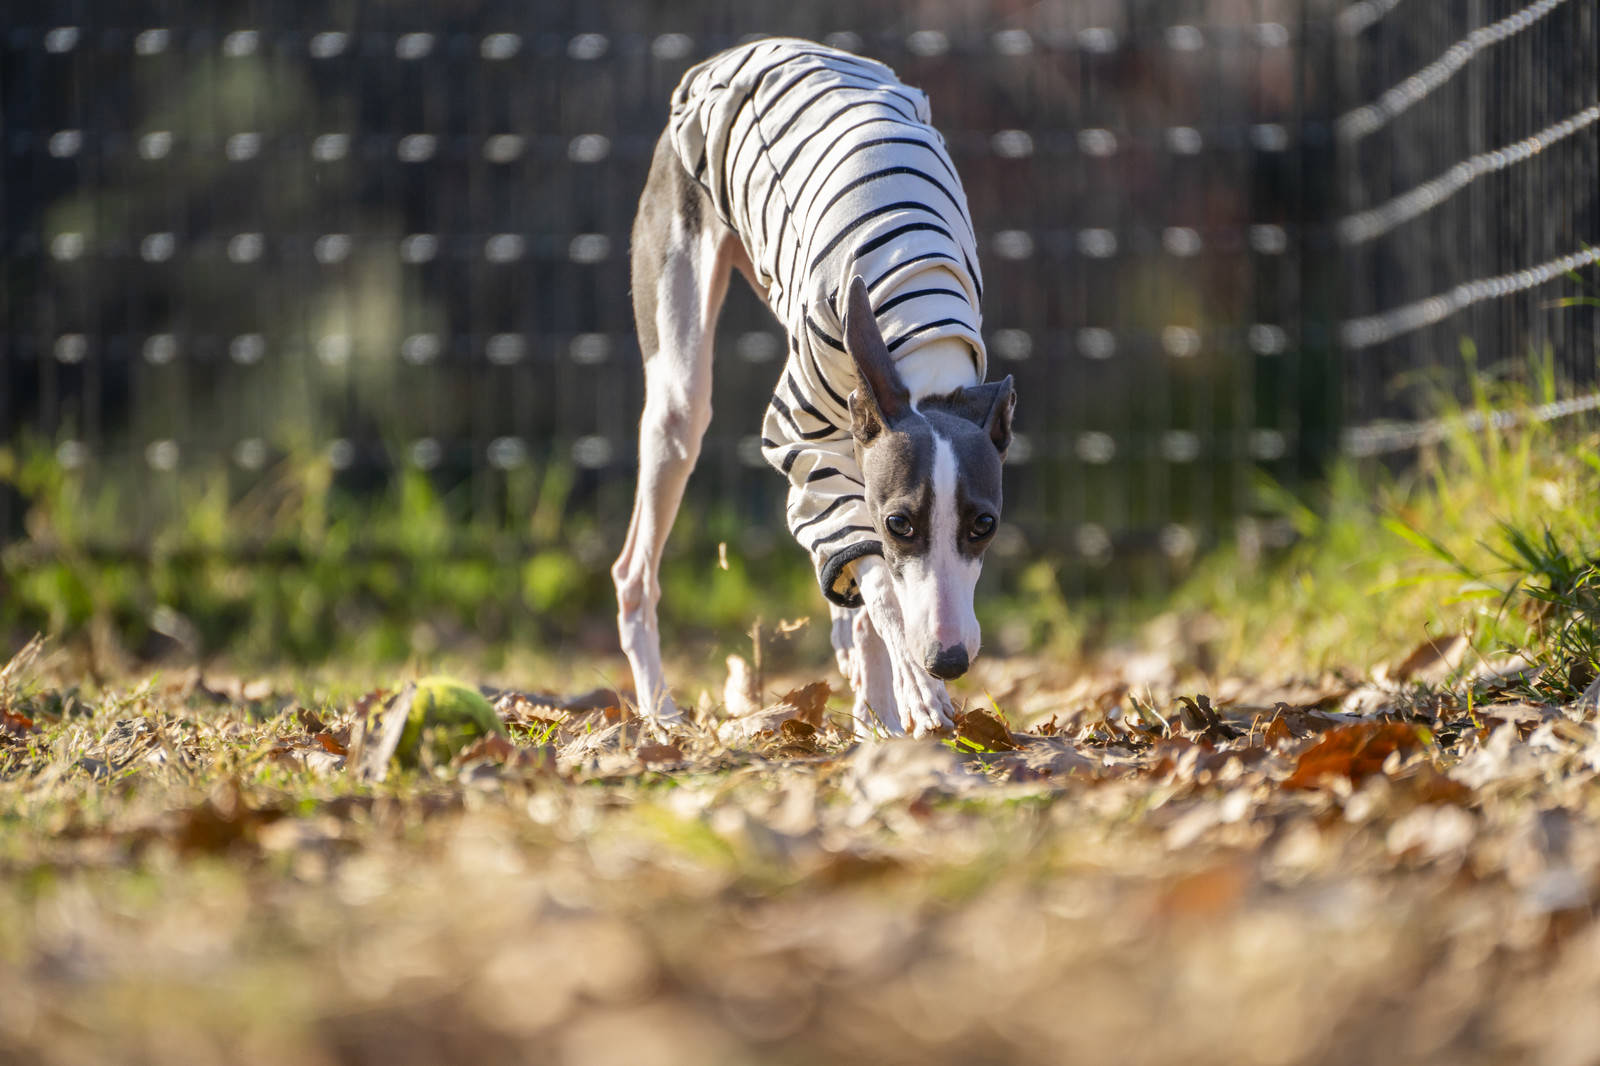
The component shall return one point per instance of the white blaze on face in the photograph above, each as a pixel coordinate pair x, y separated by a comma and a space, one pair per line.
936, 589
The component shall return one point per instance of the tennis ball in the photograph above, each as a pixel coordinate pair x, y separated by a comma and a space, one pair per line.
448, 715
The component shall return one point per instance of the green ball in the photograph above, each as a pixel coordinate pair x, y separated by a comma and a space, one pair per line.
449, 715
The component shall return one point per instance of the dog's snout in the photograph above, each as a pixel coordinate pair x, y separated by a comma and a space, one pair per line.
946, 663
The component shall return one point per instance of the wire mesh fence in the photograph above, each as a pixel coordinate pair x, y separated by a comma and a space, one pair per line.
1470, 163
1216, 234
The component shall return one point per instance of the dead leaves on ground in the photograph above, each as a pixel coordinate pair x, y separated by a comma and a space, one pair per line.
585, 883
1353, 753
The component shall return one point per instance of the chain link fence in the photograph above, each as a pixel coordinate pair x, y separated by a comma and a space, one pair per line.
1217, 234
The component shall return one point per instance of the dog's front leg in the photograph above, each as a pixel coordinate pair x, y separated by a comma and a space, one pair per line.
864, 662
922, 701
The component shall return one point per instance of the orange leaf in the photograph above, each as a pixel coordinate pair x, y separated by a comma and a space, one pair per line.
1276, 733
1353, 751
330, 744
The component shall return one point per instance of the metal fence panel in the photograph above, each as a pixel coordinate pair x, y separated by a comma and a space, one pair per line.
400, 235
1471, 173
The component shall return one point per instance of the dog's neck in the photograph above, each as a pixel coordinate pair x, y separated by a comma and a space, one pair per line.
938, 368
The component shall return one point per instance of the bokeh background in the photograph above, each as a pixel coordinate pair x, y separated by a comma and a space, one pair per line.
314, 314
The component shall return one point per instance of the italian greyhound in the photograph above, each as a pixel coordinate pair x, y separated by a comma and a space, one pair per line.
812, 171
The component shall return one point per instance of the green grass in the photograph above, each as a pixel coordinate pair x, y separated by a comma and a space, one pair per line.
1492, 533
294, 569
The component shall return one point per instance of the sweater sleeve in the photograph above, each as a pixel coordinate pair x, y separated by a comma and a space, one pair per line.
827, 512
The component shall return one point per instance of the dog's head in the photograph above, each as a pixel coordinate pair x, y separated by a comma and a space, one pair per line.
932, 474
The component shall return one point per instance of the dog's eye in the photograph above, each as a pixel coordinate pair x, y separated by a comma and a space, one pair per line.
898, 525
982, 526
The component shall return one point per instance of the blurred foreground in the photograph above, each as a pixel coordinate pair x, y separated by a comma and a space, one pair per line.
1325, 872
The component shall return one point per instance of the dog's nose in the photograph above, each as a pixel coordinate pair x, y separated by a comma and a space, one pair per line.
946, 663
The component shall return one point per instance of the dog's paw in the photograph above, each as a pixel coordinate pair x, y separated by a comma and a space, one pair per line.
925, 705
665, 719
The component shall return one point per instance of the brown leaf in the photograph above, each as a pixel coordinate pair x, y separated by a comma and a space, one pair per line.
798, 738
659, 753
985, 731
1200, 717
330, 743
798, 730
808, 702
1432, 660
222, 821
1276, 733
1353, 751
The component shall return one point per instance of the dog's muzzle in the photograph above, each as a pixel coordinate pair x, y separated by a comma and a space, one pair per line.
946, 663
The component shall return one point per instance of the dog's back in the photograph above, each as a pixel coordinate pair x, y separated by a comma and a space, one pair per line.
825, 166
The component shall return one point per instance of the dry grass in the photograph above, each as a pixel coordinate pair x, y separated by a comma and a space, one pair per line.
191, 873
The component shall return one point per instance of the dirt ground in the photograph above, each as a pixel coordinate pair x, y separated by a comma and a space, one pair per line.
202, 869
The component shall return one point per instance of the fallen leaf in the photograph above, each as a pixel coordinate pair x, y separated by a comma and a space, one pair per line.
798, 729
659, 753
1041, 757
1200, 717
808, 701
984, 731
1432, 660
224, 819
1354, 752
1276, 733
331, 744
884, 772
804, 704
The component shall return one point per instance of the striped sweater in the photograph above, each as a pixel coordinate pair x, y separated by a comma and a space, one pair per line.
826, 166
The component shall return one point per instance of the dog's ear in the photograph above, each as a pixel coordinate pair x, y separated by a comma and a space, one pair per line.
990, 406
880, 397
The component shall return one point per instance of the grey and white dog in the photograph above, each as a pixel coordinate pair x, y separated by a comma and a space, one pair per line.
917, 445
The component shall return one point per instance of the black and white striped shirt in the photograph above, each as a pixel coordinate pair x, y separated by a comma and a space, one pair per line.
826, 166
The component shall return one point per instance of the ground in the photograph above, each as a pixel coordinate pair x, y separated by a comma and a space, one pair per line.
1340, 869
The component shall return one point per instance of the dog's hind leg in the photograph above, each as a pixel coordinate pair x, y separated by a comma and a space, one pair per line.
682, 254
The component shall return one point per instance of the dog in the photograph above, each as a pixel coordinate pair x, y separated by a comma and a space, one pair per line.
818, 176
